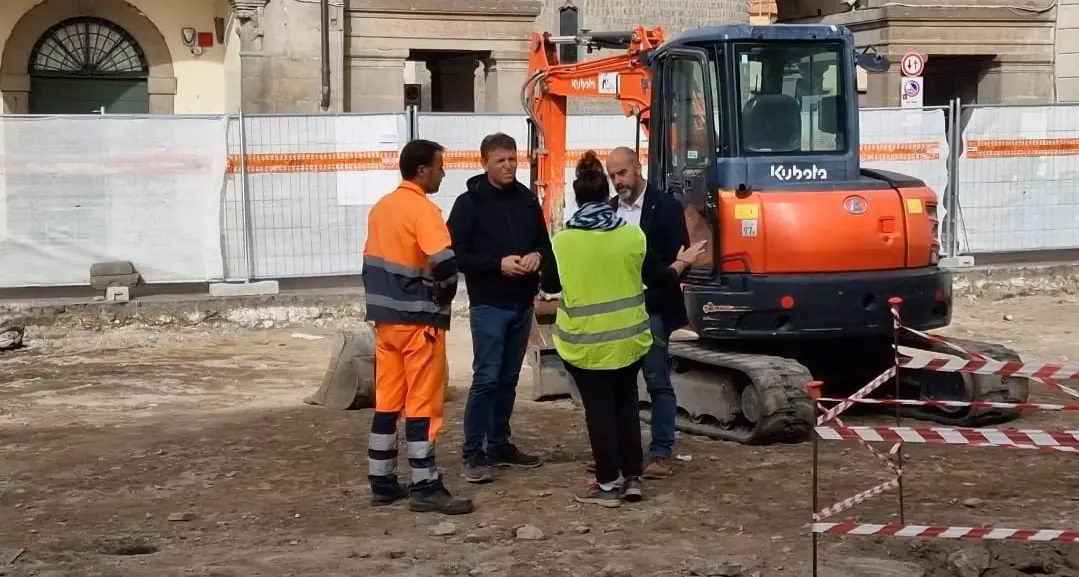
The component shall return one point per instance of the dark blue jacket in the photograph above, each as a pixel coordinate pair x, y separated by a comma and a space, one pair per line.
664, 224
487, 224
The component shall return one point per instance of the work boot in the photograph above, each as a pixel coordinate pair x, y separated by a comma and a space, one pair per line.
388, 495
432, 497
658, 469
477, 469
596, 495
633, 490
511, 456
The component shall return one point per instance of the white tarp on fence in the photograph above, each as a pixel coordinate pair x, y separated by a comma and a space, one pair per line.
907, 141
1018, 178
80, 190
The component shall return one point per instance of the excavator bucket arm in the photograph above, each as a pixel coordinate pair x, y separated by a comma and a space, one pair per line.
624, 77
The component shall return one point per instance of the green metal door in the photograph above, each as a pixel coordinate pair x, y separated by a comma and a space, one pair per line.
52, 95
85, 64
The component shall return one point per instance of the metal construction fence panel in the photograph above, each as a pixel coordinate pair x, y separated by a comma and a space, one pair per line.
279, 196
1019, 179
304, 190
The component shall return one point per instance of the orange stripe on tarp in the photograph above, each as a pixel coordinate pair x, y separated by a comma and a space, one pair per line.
900, 151
1018, 148
315, 162
470, 159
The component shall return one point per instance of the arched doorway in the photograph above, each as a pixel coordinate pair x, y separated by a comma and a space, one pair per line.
88, 65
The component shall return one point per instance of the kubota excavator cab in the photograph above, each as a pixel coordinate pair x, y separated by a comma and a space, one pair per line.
756, 129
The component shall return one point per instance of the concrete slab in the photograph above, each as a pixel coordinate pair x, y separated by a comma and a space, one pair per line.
259, 288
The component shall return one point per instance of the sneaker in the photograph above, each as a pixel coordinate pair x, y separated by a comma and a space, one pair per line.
511, 456
633, 490
477, 469
596, 495
658, 469
433, 497
385, 497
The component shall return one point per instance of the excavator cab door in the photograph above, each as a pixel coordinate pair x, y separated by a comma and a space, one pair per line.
682, 144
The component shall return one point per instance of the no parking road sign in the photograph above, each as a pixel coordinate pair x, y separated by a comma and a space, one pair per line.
911, 93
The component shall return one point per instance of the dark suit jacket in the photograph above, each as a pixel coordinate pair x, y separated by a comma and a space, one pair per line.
664, 225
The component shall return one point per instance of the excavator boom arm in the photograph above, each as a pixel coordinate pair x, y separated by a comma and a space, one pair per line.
624, 77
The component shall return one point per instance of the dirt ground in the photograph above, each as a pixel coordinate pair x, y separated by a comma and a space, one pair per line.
139, 451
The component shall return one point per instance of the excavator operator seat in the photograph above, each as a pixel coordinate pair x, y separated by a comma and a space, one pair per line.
772, 123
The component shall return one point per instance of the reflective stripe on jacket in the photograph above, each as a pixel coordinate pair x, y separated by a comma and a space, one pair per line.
601, 323
406, 240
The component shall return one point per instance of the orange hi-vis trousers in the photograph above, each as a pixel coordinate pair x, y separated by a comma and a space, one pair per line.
411, 375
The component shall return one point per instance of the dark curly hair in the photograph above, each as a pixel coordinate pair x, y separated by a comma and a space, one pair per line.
591, 184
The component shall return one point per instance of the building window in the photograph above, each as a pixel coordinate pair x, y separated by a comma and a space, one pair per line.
88, 47
568, 25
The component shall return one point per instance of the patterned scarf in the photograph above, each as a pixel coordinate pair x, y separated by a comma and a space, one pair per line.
595, 216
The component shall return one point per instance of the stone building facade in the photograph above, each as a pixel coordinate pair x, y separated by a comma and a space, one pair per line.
982, 51
471, 55
466, 55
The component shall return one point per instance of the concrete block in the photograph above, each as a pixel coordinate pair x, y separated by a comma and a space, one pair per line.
115, 268
117, 294
106, 281
957, 262
260, 288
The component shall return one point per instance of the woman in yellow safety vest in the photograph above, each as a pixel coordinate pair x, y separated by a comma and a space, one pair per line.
600, 267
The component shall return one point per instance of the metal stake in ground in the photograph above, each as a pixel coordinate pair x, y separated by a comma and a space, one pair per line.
897, 326
815, 395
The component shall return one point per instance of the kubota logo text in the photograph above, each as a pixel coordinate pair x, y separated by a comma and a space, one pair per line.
780, 172
583, 84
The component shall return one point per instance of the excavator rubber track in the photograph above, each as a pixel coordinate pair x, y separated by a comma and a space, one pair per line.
746, 398
925, 385
711, 384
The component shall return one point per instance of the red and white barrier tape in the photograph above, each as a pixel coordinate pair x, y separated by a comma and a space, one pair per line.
946, 343
1067, 441
886, 459
947, 532
974, 404
832, 413
990, 367
976, 356
852, 501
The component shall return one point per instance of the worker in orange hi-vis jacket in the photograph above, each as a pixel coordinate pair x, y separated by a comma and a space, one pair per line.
410, 279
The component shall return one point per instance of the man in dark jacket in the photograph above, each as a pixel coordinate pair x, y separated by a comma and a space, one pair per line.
500, 238
661, 218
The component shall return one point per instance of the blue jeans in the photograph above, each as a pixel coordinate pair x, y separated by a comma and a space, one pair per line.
499, 341
657, 376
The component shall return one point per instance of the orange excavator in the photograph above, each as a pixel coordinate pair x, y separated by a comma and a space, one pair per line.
755, 130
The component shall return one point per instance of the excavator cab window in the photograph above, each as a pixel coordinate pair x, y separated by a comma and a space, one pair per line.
791, 97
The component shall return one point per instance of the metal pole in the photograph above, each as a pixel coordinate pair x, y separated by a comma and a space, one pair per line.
637, 142
894, 303
815, 395
412, 119
952, 205
245, 203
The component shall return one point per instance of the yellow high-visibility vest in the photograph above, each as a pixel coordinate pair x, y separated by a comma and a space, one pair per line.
601, 323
